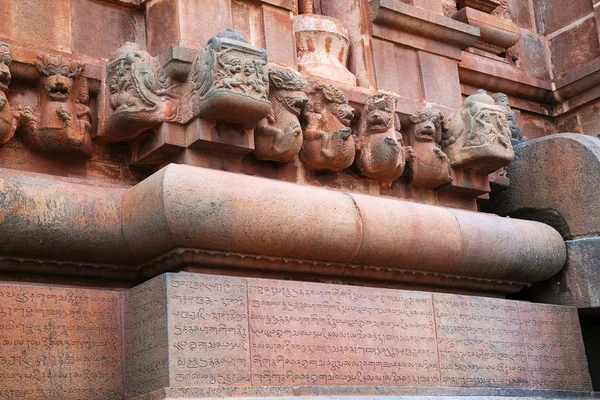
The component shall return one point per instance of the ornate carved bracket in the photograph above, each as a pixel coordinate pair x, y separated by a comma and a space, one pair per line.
478, 136
140, 94
431, 167
328, 142
229, 81
279, 136
380, 151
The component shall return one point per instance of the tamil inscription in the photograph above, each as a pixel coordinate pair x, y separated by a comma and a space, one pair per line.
194, 330
59, 343
208, 330
555, 351
479, 342
313, 334
146, 363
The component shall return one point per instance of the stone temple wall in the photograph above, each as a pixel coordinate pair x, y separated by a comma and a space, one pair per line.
275, 198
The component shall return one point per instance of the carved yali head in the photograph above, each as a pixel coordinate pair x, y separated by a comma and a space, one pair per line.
58, 75
333, 99
479, 122
288, 88
378, 113
427, 124
5, 60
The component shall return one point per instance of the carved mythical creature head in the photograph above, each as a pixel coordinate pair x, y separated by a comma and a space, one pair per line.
59, 73
427, 124
336, 102
479, 122
287, 87
379, 113
5, 60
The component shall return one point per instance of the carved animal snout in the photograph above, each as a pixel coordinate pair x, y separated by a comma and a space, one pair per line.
58, 86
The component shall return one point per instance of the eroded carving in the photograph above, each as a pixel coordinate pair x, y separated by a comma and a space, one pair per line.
229, 81
380, 151
60, 129
279, 136
328, 142
431, 168
10, 119
502, 100
478, 136
140, 94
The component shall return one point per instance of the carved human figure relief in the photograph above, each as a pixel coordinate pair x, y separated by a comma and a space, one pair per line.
140, 96
279, 136
229, 81
478, 137
328, 142
502, 100
431, 167
59, 129
381, 154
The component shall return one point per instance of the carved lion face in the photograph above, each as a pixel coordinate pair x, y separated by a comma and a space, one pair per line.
426, 122
59, 74
379, 113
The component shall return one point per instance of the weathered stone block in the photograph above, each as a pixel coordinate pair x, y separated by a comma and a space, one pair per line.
116, 26
574, 47
552, 15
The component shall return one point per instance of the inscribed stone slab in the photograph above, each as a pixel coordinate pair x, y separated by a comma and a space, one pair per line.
480, 342
554, 345
60, 343
145, 343
208, 331
314, 334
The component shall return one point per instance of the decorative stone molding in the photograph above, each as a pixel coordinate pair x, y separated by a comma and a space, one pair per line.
279, 136
497, 34
381, 154
486, 6
431, 167
139, 93
478, 137
229, 81
322, 46
64, 122
414, 27
198, 208
328, 142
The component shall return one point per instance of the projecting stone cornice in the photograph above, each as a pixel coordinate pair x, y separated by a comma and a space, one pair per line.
417, 28
186, 216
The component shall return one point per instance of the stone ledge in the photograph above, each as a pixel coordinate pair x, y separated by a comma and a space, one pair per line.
415, 27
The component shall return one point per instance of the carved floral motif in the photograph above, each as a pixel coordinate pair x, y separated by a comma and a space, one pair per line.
279, 136
431, 168
140, 95
478, 136
380, 151
328, 143
229, 81
60, 128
